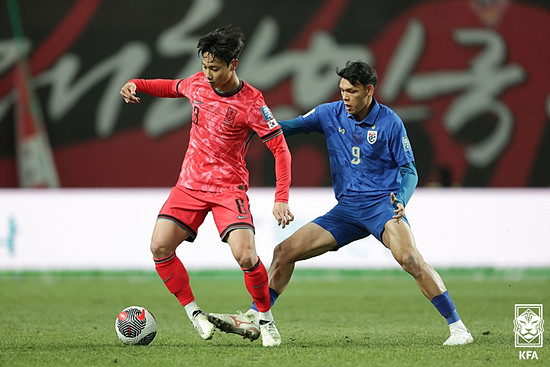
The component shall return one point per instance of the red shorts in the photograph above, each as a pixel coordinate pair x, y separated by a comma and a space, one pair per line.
188, 208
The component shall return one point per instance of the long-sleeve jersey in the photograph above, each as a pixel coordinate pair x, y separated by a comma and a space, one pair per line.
222, 126
368, 157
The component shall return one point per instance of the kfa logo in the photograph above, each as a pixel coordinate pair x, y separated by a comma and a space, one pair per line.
528, 329
230, 116
528, 354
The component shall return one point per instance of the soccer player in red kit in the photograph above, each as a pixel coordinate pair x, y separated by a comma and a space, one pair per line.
227, 112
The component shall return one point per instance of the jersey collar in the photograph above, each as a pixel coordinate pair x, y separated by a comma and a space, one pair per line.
371, 117
233, 92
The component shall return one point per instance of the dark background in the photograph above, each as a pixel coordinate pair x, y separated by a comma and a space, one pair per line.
129, 153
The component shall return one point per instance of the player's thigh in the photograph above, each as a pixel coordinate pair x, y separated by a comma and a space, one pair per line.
241, 242
398, 237
187, 209
167, 236
309, 241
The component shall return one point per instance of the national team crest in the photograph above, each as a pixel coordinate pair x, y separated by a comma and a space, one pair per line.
528, 325
230, 116
372, 135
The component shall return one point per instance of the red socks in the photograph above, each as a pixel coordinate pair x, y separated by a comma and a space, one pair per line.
175, 277
255, 280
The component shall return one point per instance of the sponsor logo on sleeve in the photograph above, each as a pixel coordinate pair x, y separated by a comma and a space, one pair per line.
406, 143
268, 117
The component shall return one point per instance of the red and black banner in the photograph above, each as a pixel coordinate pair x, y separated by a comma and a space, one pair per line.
469, 78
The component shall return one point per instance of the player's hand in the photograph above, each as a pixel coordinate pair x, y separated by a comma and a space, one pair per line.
128, 92
281, 212
400, 211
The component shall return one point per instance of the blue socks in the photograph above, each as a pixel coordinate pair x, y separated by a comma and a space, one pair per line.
443, 303
273, 295
446, 307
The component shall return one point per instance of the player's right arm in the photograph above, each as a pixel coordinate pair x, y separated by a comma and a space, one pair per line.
165, 88
307, 123
128, 92
292, 127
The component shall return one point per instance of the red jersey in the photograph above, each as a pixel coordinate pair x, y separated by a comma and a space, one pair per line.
221, 129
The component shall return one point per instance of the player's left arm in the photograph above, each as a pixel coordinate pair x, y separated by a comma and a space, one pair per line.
409, 180
403, 156
270, 132
276, 143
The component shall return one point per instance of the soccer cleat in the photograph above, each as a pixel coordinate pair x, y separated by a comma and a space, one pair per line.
237, 324
270, 334
253, 316
204, 327
459, 337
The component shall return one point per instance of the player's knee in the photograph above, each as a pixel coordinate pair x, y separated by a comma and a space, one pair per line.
412, 264
277, 253
246, 259
280, 254
160, 250
247, 262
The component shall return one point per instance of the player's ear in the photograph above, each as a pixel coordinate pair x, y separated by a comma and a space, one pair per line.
370, 90
233, 64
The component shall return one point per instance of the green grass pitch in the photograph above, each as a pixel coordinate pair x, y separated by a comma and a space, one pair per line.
326, 318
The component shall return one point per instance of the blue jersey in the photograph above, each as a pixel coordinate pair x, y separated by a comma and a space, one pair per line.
365, 156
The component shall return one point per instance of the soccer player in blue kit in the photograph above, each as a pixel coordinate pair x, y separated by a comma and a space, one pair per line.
373, 176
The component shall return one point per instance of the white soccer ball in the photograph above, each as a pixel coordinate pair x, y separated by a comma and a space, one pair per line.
135, 325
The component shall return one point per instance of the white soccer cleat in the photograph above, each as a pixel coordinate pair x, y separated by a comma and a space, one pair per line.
459, 337
239, 323
253, 316
204, 327
270, 334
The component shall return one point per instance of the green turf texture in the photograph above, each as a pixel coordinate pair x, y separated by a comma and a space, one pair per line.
326, 318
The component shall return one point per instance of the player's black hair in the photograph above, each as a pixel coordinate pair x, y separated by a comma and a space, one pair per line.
225, 43
358, 72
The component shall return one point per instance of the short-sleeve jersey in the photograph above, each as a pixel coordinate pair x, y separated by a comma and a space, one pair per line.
222, 125
364, 155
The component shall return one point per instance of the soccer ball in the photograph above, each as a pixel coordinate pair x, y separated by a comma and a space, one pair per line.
135, 325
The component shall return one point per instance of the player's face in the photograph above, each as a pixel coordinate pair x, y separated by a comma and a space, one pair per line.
357, 98
219, 75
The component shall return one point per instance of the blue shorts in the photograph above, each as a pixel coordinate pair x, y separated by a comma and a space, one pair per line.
351, 220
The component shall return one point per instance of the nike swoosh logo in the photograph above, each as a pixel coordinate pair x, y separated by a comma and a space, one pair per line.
243, 216
142, 316
198, 102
